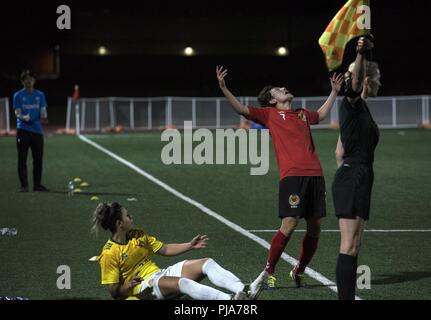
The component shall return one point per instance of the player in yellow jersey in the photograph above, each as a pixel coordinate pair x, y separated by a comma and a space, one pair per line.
128, 270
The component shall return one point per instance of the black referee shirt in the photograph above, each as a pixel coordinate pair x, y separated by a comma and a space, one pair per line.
359, 133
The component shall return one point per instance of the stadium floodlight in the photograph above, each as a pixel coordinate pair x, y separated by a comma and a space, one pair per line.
188, 51
282, 51
102, 51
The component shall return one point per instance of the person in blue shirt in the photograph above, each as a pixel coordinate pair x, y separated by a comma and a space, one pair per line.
30, 109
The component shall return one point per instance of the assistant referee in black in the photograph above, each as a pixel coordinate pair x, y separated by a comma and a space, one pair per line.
352, 185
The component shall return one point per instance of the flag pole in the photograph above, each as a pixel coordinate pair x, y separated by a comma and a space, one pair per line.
75, 99
369, 35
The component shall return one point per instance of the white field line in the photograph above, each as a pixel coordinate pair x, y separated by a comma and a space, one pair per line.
336, 230
313, 274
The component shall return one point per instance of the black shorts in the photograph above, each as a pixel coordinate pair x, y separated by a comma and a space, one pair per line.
302, 197
351, 190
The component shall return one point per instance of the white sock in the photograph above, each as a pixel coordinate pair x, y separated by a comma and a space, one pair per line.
199, 291
222, 277
257, 285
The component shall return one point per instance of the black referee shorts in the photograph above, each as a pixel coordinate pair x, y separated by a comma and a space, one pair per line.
302, 197
351, 190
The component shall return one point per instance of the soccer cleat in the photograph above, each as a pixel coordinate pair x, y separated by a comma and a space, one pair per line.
271, 281
23, 189
299, 278
257, 285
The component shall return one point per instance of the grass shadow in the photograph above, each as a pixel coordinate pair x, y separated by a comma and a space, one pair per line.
406, 276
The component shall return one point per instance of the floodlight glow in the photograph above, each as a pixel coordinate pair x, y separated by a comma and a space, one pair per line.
189, 51
282, 51
102, 51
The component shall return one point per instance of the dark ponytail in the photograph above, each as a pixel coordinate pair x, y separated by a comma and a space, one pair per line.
106, 215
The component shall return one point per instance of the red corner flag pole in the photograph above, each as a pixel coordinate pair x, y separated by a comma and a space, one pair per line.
75, 96
75, 100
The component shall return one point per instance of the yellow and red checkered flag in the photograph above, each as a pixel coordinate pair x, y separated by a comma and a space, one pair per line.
340, 31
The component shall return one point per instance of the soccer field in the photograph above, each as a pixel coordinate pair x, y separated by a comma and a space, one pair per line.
54, 229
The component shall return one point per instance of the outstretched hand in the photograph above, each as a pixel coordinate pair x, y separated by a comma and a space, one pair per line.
221, 74
199, 241
336, 81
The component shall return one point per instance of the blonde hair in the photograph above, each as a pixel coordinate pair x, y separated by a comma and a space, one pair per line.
371, 68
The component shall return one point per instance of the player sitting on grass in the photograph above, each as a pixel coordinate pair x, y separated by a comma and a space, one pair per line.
129, 272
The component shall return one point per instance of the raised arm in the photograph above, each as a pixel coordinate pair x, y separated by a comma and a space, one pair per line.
336, 83
238, 107
173, 249
358, 73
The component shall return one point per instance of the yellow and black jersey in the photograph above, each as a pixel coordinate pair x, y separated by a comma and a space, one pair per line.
120, 262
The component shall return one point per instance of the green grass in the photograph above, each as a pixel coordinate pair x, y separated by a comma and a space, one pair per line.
53, 229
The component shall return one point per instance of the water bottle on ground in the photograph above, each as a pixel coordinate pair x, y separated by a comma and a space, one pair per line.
70, 189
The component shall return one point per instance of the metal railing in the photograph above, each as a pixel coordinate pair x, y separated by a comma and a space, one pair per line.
150, 113
98, 114
95, 114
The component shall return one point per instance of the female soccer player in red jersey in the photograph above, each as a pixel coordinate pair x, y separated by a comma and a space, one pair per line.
302, 186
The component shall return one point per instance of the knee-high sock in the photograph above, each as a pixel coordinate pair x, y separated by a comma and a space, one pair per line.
222, 277
309, 246
346, 276
278, 243
199, 291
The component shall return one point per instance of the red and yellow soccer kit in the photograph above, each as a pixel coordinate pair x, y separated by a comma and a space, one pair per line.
291, 136
302, 186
